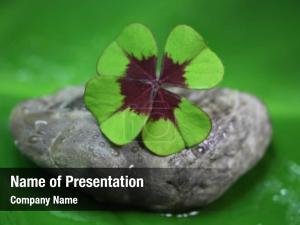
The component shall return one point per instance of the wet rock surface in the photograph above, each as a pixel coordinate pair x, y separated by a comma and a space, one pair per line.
58, 131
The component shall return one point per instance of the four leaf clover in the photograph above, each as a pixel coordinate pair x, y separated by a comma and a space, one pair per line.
129, 98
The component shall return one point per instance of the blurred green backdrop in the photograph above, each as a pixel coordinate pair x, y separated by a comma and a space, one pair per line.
46, 45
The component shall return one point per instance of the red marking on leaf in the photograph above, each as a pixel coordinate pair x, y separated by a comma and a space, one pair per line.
141, 70
138, 95
172, 73
164, 104
143, 92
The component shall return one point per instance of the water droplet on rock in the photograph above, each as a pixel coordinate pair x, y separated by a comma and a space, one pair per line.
41, 132
135, 149
102, 144
231, 126
140, 158
91, 147
115, 152
71, 129
33, 139
96, 136
39, 126
40, 122
200, 149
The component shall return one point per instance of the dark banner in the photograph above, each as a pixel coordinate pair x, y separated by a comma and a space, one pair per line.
91, 188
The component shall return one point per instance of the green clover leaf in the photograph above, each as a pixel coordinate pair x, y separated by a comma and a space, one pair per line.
127, 97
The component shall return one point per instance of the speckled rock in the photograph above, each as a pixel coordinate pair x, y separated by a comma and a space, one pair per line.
58, 131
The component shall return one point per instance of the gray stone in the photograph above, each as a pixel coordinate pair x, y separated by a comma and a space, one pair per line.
58, 131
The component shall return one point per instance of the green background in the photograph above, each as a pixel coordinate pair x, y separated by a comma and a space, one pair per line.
46, 45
